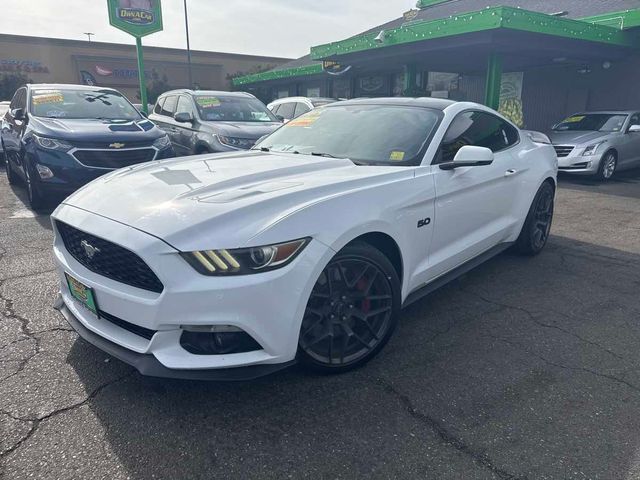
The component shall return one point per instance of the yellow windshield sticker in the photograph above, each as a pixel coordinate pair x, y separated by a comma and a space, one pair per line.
396, 156
207, 102
574, 119
48, 97
306, 120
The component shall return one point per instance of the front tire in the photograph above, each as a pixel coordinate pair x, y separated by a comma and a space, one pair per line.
537, 226
36, 199
11, 176
352, 311
608, 167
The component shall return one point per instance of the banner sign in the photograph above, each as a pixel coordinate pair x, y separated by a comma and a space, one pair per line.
136, 17
511, 97
335, 68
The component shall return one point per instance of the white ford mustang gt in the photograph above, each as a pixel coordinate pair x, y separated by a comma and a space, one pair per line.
236, 265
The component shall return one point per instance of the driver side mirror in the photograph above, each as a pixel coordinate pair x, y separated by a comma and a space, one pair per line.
183, 117
281, 118
469, 156
634, 129
18, 114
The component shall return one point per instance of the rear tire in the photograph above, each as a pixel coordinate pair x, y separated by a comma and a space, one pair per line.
537, 226
352, 311
608, 167
11, 176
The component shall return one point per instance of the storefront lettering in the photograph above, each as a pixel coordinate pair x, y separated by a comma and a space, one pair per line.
24, 66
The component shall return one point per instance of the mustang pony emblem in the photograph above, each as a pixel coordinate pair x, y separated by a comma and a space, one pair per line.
89, 249
116, 145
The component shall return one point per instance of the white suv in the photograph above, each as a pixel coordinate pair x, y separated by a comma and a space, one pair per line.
292, 107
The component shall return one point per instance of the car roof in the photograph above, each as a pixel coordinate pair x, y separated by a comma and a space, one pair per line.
213, 93
298, 99
426, 102
609, 112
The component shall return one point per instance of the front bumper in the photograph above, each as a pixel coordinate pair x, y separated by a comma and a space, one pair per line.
267, 306
577, 164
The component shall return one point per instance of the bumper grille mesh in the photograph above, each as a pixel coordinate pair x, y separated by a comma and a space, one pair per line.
114, 159
108, 259
563, 151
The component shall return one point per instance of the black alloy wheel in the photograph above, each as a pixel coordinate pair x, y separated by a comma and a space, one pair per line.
36, 200
537, 227
352, 310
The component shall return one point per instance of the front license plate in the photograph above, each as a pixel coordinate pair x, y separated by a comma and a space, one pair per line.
82, 293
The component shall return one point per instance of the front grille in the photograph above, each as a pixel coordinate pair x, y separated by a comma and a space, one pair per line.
563, 150
130, 327
113, 159
109, 260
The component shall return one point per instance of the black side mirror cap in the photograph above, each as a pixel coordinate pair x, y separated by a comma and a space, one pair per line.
19, 114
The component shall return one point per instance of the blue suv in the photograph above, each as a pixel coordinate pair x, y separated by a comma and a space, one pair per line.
58, 138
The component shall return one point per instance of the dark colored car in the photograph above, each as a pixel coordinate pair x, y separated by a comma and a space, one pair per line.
58, 138
207, 121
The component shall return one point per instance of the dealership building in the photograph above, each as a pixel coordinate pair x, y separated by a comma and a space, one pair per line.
48, 60
536, 60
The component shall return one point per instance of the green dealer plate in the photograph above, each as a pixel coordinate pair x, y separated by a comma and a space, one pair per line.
82, 293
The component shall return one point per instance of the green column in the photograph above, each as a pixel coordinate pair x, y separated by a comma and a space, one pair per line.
494, 81
143, 83
409, 80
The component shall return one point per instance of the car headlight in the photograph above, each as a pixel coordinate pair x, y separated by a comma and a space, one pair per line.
245, 261
244, 143
591, 149
162, 142
52, 144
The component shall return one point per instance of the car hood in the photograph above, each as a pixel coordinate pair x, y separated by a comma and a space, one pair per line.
252, 130
223, 200
93, 130
577, 137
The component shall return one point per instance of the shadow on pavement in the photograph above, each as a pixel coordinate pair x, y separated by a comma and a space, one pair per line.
624, 184
522, 368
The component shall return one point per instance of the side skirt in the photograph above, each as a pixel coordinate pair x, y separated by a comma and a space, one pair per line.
442, 280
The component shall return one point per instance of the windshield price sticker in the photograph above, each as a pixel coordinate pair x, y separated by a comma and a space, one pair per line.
574, 119
48, 97
206, 102
306, 120
396, 156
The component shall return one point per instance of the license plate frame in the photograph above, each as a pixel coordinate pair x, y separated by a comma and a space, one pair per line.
83, 294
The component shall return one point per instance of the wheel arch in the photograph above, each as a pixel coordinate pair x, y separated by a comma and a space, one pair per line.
387, 245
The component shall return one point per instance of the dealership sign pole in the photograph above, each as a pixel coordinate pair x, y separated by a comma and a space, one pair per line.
138, 18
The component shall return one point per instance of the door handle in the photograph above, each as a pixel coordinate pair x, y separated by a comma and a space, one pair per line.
510, 173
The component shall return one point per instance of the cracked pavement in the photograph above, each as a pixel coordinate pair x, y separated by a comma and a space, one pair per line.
521, 369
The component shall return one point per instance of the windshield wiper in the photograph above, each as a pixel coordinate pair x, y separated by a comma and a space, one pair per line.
264, 149
327, 155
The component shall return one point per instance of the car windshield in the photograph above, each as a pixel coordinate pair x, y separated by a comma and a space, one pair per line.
366, 134
82, 104
595, 122
232, 109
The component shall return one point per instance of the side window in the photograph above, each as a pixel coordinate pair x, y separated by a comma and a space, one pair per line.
158, 109
19, 99
301, 109
635, 119
478, 129
287, 110
169, 106
275, 109
185, 105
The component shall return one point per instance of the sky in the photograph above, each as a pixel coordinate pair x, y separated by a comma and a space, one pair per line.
282, 28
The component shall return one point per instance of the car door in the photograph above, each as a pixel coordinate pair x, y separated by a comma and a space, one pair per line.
185, 131
629, 148
13, 129
474, 204
168, 123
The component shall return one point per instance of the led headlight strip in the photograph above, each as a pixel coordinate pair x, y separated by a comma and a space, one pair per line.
245, 261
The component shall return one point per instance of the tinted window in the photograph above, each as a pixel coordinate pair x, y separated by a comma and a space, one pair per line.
368, 134
19, 99
185, 105
301, 109
287, 110
158, 108
169, 106
275, 109
635, 119
81, 104
478, 129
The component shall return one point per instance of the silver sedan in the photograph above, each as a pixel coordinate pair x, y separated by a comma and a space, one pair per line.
598, 143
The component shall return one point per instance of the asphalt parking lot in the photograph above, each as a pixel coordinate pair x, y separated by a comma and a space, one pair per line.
524, 368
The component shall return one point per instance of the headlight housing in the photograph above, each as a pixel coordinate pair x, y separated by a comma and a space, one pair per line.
162, 142
244, 143
245, 261
591, 149
52, 144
